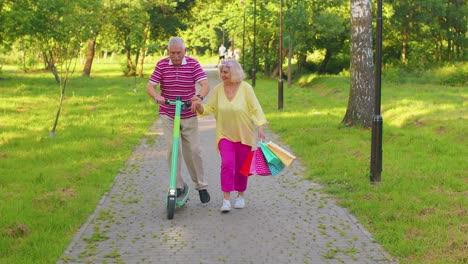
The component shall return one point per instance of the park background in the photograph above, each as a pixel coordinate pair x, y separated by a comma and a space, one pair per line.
72, 78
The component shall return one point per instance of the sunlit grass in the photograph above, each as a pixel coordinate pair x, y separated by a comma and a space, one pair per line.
48, 187
418, 211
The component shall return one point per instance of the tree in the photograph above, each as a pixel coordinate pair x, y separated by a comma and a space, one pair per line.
361, 95
70, 32
456, 27
94, 29
421, 32
127, 23
211, 25
89, 56
297, 31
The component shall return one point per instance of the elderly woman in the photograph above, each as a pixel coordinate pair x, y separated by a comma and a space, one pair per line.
238, 114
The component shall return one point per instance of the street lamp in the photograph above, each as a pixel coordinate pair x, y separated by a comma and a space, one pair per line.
243, 36
254, 43
280, 80
377, 121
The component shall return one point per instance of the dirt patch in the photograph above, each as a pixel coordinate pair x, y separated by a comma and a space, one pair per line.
16, 231
60, 195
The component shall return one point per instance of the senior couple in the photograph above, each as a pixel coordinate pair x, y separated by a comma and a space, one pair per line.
239, 119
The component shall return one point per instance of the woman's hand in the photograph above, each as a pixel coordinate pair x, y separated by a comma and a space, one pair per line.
200, 109
261, 134
196, 103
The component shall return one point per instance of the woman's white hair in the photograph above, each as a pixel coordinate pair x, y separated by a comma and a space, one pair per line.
237, 73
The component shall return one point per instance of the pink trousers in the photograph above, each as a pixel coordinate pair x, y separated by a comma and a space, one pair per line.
233, 155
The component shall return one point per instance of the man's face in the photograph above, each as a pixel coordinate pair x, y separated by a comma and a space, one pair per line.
176, 53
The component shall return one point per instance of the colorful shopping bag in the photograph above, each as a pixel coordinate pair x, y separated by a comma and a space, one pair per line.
253, 168
261, 165
285, 157
276, 168
245, 169
274, 163
270, 157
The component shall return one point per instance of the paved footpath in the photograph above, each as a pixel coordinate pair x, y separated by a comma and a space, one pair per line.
286, 219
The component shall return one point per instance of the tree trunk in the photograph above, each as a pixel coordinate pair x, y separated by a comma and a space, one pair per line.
57, 115
143, 51
275, 71
89, 57
142, 62
361, 95
326, 59
49, 59
130, 65
404, 45
301, 61
137, 56
290, 53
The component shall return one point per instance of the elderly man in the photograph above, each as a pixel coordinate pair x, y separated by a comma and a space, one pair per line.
177, 76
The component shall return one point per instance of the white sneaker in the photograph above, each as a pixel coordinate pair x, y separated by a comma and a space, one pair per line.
240, 203
226, 206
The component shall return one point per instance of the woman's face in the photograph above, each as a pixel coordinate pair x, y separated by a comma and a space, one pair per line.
225, 74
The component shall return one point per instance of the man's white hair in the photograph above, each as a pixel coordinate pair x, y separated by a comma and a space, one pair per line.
176, 41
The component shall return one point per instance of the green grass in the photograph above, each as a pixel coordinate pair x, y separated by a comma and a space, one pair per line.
419, 210
48, 187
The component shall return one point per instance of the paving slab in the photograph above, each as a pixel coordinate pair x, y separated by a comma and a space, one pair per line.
286, 219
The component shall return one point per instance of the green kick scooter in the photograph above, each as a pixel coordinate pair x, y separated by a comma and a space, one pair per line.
174, 200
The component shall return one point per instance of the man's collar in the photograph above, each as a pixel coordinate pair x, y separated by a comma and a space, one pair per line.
184, 61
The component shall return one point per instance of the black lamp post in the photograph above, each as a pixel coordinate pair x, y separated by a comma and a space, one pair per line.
243, 36
377, 121
280, 80
254, 51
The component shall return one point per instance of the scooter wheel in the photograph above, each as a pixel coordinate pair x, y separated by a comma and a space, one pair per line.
171, 204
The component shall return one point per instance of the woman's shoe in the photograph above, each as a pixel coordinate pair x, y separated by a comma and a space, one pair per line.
240, 202
226, 206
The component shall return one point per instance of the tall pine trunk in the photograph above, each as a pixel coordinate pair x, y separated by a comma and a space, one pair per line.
361, 95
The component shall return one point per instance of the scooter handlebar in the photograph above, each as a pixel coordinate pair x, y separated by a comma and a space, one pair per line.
185, 105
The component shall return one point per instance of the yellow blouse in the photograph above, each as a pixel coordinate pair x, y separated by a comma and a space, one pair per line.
237, 119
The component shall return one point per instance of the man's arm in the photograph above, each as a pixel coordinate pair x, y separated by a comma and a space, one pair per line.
151, 91
204, 90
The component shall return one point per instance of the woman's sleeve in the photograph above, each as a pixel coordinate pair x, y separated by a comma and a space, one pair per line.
254, 106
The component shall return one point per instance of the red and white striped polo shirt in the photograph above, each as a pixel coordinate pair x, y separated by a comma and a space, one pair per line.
177, 81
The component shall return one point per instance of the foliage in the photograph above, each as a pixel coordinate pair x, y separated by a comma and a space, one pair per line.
449, 75
129, 22
416, 33
425, 31
205, 32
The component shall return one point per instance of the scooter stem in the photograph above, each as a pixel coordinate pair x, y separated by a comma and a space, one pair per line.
175, 143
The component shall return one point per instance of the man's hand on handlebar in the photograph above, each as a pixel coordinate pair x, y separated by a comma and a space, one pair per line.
159, 99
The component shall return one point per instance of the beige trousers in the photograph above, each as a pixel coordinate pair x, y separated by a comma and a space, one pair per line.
189, 149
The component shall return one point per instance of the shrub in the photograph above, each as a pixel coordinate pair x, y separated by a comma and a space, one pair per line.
456, 75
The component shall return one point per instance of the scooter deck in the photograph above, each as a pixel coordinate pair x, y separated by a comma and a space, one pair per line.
183, 197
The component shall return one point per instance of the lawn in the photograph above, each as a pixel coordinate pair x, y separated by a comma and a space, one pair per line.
419, 209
